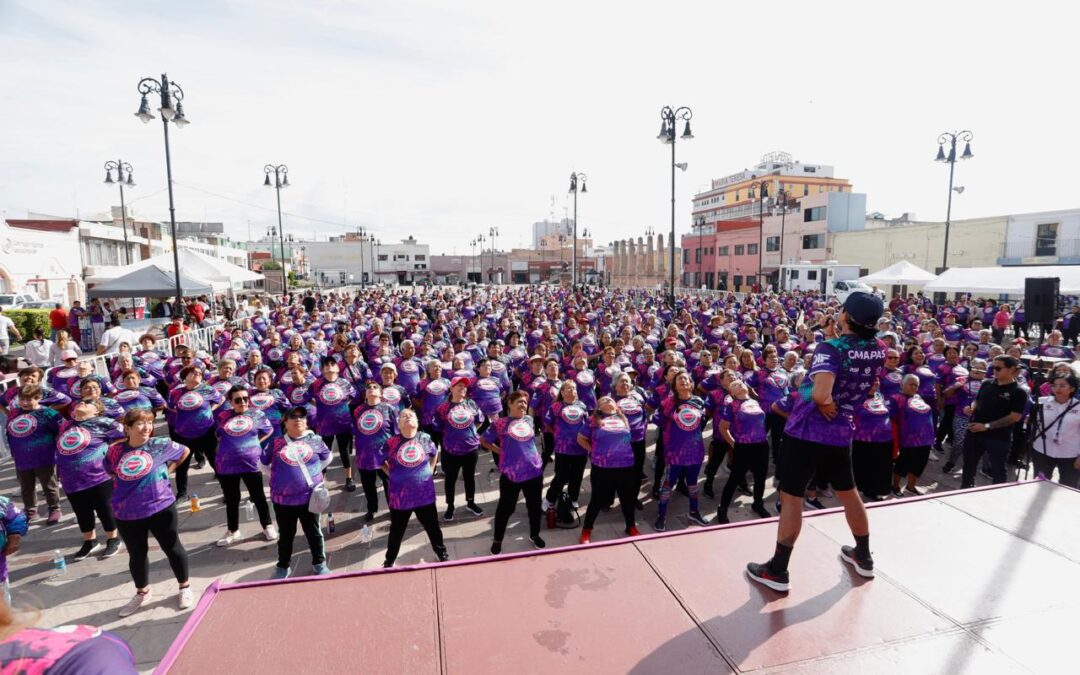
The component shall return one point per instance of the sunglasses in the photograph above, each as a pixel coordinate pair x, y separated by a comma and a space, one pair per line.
241, 399
997, 368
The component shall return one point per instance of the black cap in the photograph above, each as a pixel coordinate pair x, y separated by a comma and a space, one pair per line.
864, 308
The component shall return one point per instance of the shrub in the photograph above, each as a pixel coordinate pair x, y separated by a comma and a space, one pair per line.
26, 320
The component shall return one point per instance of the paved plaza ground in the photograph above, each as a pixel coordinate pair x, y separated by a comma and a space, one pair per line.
93, 591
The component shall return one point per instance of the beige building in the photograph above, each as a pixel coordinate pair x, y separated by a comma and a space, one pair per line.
972, 243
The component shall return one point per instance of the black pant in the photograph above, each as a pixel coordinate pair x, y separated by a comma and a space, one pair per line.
203, 447
659, 464
569, 471
287, 516
549, 448
606, 484
872, 465
230, 488
508, 496
996, 448
399, 519
945, 424
639, 458
344, 446
466, 465
86, 503
912, 461
717, 453
1020, 327
752, 456
371, 491
775, 425
164, 526
1067, 474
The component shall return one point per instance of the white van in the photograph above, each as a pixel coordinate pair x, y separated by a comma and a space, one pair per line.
842, 289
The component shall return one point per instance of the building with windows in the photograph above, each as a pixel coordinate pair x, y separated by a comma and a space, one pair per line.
352, 260
42, 257
722, 255
551, 228
973, 242
1044, 238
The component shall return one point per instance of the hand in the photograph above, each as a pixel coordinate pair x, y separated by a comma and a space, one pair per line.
969, 411
12, 544
827, 409
977, 427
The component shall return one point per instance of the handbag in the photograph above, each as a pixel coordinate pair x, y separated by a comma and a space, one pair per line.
319, 500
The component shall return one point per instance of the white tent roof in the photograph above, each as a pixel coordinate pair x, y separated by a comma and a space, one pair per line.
902, 273
1003, 279
196, 265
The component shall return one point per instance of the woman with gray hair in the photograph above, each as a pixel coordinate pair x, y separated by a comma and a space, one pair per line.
915, 424
965, 396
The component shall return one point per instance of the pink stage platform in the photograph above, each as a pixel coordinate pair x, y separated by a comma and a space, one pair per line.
982, 581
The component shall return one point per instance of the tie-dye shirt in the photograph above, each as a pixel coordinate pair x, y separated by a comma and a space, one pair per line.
519, 459
411, 482
31, 435
141, 487
374, 425
80, 452
190, 411
283, 455
238, 434
458, 422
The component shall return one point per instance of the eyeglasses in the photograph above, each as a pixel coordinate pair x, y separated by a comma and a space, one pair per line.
241, 399
997, 368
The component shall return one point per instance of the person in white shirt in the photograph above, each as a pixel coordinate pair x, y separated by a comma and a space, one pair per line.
111, 338
1059, 429
7, 326
39, 350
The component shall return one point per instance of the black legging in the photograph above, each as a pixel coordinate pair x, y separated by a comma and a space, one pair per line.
452, 465
775, 425
164, 526
606, 484
717, 454
872, 465
203, 446
399, 519
508, 496
659, 464
344, 446
639, 458
371, 491
287, 516
230, 488
569, 472
86, 503
752, 456
912, 461
945, 424
549, 448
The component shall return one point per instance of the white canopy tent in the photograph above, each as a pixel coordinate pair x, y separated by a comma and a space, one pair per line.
1003, 280
197, 265
902, 273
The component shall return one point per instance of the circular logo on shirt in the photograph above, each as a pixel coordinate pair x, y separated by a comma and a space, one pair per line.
65, 373
127, 395
134, 465
261, 400
239, 425
436, 387
488, 384
918, 405
629, 405
411, 453
612, 423
294, 453
751, 407
585, 378
517, 354
520, 430
222, 386
778, 379
73, 441
192, 400
460, 417
876, 406
331, 394
572, 414
688, 418
75, 388
297, 395
274, 354
408, 366
150, 357
22, 426
497, 366
370, 421
923, 371
391, 395
894, 376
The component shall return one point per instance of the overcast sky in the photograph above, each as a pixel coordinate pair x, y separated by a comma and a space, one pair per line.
442, 119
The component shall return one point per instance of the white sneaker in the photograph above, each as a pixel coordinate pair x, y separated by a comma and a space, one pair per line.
270, 532
228, 539
934, 457
186, 598
545, 506
576, 505
134, 604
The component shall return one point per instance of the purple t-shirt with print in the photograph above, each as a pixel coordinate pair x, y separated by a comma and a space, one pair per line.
80, 452
568, 420
873, 420
411, 481
284, 455
519, 459
457, 422
331, 399
238, 435
633, 406
610, 439
855, 363
190, 414
682, 423
31, 435
373, 425
432, 394
746, 419
487, 392
142, 486
915, 420
143, 398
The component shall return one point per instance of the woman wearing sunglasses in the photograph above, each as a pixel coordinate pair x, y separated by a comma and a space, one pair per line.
241, 432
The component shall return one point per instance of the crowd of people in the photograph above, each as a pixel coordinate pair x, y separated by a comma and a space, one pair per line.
852, 400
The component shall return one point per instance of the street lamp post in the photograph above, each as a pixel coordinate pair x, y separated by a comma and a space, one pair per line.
281, 180
169, 92
121, 166
360, 232
782, 200
669, 117
480, 242
950, 138
576, 179
585, 235
493, 232
763, 187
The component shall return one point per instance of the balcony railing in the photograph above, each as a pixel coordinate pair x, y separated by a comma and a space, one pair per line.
1041, 248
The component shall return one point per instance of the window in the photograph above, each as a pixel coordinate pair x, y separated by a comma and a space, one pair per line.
752, 249
736, 195
738, 280
723, 250
751, 279
793, 274
809, 169
686, 255
816, 213
805, 190
420, 257
820, 189
739, 249
811, 275
697, 255
772, 244
1046, 239
383, 257
420, 266
401, 256
813, 241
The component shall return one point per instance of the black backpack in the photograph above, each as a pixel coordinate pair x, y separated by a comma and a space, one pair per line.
566, 515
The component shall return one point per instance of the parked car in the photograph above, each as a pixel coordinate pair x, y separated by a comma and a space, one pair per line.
36, 304
842, 289
10, 300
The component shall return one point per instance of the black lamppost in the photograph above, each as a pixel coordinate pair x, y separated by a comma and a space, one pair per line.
121, 166
473, 259
699, 231
576, 178
669, 117
493, 232
169, 92
362, 237
782, 200
480, 239
764, 190
281, 180
950, 138
585, 235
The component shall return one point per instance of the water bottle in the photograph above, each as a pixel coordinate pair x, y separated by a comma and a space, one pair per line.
195, 503
365, 534
249, 511
330, 527
59, 564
